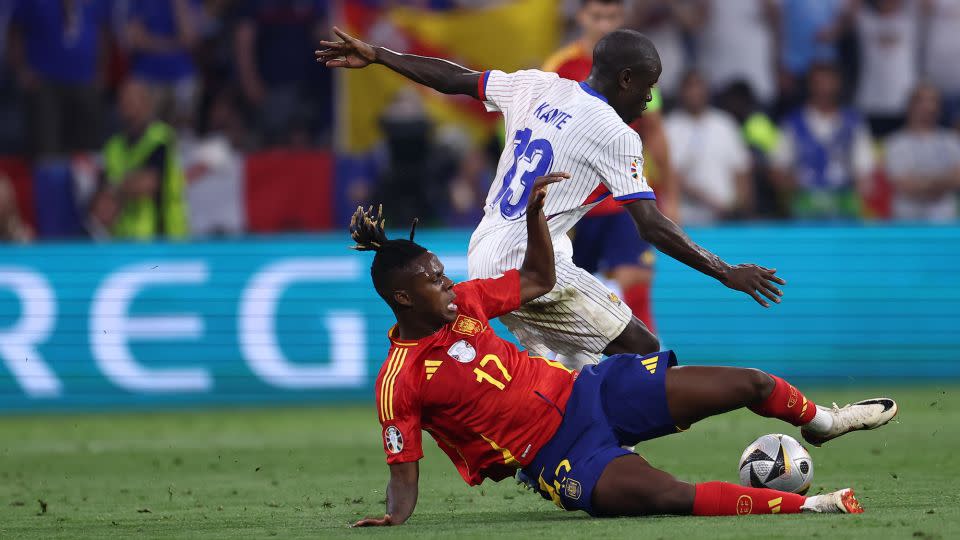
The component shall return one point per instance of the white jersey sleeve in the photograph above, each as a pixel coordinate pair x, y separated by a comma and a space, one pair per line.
620, 166
499, 91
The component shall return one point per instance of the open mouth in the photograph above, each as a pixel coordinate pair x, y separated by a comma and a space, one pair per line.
451, 306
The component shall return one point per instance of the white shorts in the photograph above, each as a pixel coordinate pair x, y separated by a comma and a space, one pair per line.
580, 315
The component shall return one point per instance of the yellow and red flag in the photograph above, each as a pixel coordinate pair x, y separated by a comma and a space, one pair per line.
508, 35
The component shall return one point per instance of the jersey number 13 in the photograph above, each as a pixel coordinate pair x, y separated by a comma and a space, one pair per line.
531, 159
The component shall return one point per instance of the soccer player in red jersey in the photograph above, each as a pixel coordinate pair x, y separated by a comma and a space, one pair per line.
606, 240
494, 409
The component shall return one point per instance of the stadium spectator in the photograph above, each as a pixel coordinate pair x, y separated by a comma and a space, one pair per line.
12, 227
143, 195
923, 163
737, 42
761, 136
666, 23
809, 34
887, 31
161, 35
941, 51
57, 58
468, 189
283, 89
709, 157
414, 170
213, 166
823, 159
10, 100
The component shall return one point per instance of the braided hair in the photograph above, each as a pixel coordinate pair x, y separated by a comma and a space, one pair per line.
366, 229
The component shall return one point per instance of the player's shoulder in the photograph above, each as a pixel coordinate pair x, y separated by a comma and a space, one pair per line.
616, 134
532, 76
394, 378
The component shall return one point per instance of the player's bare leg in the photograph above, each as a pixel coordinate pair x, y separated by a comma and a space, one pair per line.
629, 486
636, 338
697, 392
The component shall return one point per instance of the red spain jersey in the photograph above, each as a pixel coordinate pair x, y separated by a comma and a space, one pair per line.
489, 406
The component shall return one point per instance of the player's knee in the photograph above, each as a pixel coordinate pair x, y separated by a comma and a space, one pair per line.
640, 339
644, 339
758, 385
635, 339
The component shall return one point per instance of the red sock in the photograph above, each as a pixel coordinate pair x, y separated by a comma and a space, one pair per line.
787, 404
638, 298
725, 499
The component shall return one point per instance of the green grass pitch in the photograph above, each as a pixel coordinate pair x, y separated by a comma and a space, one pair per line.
308, 472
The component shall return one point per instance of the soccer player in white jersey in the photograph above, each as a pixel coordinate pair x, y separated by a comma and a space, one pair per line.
554, 124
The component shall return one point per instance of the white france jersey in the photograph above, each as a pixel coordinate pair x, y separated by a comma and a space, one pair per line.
552, 124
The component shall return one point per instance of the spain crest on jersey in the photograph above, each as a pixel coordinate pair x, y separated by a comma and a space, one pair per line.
467, 326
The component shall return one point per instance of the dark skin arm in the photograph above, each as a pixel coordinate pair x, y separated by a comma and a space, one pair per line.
538, 271
402, 491
441, 75
657, 229
650, 128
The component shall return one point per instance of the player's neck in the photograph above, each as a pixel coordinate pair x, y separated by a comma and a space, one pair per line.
609, 93
413, 328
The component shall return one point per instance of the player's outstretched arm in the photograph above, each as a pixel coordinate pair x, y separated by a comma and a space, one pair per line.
538, 273
437, 73
669, 238
402, 491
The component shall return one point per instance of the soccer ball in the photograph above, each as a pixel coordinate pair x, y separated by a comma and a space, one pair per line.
778, 462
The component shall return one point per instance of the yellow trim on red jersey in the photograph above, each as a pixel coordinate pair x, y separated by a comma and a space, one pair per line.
383, 384
508, 458
389, 378
398, 342
552, 363
557, 59
432, 366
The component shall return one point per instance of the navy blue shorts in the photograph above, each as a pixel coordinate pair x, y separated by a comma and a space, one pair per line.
602, 243
620, 401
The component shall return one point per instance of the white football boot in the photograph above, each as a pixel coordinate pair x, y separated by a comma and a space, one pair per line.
866, 414
838, 502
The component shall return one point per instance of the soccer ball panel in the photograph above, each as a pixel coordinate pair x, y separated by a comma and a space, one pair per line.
776, 461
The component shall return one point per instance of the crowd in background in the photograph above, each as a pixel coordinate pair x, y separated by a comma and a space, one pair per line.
773, 109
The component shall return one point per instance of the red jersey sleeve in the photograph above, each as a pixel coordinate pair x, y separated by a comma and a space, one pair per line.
493, 296
575, 69
398, 405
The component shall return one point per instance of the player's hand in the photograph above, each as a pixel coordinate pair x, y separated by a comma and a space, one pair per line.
350, 52
755, 281
385, 521
539, 192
